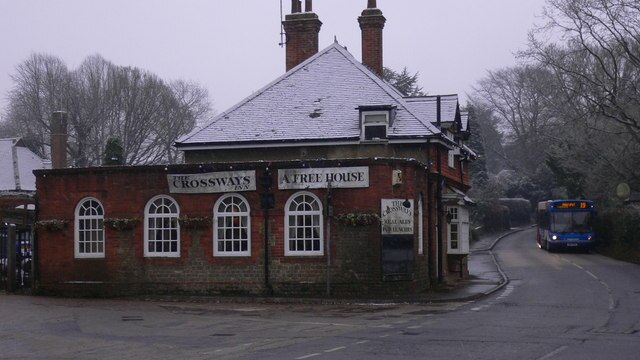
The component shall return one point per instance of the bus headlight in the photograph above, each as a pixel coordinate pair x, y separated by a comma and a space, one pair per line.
554, 237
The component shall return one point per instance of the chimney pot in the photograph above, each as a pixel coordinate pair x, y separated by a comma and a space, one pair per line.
296, 6
371, 4
308, 6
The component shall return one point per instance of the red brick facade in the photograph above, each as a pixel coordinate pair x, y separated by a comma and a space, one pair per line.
356, 252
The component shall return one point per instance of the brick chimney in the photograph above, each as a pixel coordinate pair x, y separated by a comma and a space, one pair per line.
58, 140
302, 30
371, 23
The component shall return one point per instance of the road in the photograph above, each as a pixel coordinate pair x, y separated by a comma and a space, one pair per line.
556, 306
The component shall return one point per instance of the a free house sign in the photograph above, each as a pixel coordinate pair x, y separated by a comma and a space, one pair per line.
320, 178
214, 182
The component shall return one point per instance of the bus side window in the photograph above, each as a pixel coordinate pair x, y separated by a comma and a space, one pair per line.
542, 219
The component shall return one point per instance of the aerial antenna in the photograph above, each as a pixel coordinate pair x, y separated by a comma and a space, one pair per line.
281, 28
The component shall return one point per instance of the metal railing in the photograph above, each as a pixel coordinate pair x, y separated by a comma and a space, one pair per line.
15, 258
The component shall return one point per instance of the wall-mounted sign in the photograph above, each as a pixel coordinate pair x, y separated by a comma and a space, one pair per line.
395, 217
215, 182
320, 178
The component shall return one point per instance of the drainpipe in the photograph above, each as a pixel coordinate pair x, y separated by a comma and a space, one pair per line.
440, 252
328, 234
432, 259
267, 282
266, 203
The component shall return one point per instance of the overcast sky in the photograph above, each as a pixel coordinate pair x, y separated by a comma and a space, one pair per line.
231, 46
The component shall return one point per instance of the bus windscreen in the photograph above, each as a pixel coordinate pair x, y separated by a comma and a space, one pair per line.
571, 222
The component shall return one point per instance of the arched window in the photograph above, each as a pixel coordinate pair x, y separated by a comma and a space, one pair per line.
89, 229
303, 225
161, 228
231, 226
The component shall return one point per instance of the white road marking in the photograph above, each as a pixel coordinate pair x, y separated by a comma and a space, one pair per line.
335, 349
554, 353
612, 301
592, 275
307, 356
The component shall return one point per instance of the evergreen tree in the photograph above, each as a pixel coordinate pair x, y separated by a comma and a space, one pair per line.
113, 153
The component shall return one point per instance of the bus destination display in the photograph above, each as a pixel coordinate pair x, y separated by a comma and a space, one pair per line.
571, 205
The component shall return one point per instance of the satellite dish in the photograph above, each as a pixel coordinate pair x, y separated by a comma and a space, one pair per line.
623, 191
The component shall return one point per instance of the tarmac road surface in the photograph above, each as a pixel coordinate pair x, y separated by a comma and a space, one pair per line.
554, 306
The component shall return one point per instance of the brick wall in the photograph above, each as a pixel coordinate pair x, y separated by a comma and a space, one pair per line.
124, 192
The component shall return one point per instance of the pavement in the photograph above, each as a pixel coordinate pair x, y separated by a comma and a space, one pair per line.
485, 274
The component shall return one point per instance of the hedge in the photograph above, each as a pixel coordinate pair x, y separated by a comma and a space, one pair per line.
519, 210
618, 233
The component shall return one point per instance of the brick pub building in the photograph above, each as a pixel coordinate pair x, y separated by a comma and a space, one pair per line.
326, 181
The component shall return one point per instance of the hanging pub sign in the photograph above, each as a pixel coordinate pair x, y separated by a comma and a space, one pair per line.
396, 216
321, 178
214, 182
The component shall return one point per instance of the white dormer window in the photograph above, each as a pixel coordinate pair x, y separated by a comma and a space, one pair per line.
451, 160
375, 125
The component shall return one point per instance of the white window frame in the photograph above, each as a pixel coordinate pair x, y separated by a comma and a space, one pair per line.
452, 213
364, 125
95, 230
174, 227
244, 225
461, 223
451, 161
317, 214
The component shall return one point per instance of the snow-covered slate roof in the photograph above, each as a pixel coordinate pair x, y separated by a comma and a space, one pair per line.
427, 107
317, 100
17, 164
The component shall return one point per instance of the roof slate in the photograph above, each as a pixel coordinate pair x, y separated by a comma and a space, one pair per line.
25, 161
315, 101
427, 107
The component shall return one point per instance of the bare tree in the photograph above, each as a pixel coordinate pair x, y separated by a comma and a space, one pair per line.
593, 49
90, 106
103, 101
41, 86
598, 65
521, 100
192, 108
